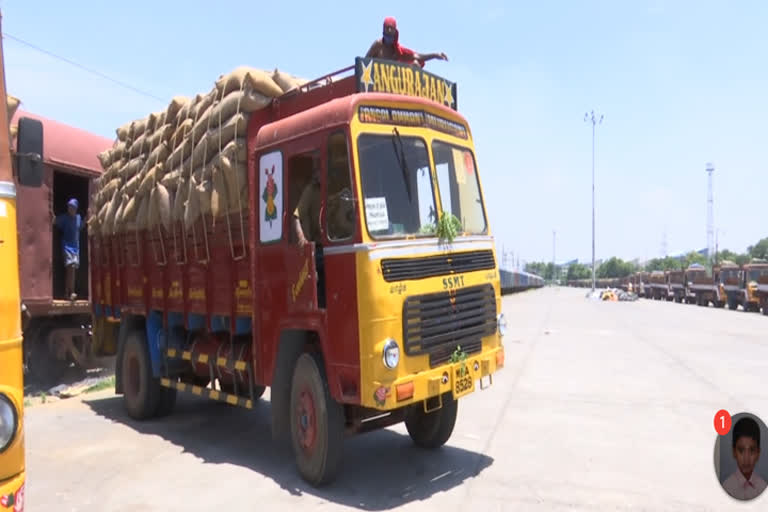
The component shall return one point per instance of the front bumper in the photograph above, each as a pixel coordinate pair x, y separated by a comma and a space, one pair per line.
12, 493
416, 388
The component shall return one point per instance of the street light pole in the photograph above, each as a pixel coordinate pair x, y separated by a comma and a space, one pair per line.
592, 118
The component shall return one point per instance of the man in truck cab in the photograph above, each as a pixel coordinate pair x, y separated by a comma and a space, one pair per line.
70, 224
306, 225
388, 47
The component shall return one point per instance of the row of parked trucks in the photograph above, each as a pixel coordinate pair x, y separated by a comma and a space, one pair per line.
726, 284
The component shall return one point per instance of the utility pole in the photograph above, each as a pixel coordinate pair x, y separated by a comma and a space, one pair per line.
554, 234
592, 118
710, 214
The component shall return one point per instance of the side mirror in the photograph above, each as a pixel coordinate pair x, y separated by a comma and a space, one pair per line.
29, 152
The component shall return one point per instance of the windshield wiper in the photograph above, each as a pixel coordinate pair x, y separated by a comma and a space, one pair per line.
401, 161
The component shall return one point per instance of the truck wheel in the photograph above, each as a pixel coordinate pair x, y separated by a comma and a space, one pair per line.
317, 423
142, 392
720, 304
432, 430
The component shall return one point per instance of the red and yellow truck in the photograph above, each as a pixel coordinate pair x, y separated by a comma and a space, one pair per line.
389, 320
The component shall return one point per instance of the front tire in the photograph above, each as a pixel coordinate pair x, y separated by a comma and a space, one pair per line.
432, 430
141, 392
317, 423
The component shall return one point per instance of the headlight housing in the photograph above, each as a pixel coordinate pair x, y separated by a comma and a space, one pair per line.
9, 422
391, 354
501, 324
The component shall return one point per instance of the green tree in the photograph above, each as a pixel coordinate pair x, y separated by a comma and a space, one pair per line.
667, 263
694, 257
615, 267
579, 271
759, 250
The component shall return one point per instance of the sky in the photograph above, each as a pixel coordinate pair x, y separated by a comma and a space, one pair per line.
680, 84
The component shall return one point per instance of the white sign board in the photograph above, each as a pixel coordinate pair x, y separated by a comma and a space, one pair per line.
271, 197
376, 213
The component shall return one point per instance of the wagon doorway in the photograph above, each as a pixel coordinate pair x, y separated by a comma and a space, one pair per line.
68, 186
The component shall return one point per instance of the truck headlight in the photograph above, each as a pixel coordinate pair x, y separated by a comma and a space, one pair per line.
391, 354
501, 324
8, 422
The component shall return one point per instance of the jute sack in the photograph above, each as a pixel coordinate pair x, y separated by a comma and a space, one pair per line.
123, 132
179, 201
219, 202
245, 77
132, 185
162, 206
287, 82
181, 131
237, 101
143, 213
176, 104
131, 210
171, 180
180, 154
217, 139
105, 158
192, 206
161, 134
118, 221
12, 103
133, 166
149, 180
137, 128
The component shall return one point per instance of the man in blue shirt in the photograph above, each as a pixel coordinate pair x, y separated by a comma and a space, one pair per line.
70, 224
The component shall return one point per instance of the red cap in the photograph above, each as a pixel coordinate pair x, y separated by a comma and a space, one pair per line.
390, 21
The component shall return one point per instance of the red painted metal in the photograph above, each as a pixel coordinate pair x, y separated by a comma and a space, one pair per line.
68, 147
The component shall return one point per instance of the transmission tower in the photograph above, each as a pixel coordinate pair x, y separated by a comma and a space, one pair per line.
664, 252
710, 215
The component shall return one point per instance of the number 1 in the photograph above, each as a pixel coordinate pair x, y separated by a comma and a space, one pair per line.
722, 419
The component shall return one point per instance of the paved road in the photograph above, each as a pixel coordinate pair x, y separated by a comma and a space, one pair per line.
602, 406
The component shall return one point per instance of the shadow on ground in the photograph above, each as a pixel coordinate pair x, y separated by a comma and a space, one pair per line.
381, 470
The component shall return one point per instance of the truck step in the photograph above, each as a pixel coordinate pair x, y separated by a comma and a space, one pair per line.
213, 394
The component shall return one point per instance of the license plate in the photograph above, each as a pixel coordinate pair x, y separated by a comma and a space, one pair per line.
463, 382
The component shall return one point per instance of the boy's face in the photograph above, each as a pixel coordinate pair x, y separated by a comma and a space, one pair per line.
746, 454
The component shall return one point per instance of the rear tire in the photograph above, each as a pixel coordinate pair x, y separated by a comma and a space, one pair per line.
432, 430
317, 423
141, 392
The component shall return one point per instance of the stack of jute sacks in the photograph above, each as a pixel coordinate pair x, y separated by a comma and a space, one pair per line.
186, 161
12, 105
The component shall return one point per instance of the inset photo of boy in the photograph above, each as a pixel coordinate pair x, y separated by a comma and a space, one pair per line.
740, 468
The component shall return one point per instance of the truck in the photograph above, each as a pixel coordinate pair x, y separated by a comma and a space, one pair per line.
395, 318
754, 272
708, 288
57, 329
658, 286
740, 284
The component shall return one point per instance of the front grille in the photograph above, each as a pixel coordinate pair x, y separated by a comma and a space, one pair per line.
437, 323
400, 269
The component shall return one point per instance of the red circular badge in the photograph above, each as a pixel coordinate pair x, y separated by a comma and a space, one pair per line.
722, 422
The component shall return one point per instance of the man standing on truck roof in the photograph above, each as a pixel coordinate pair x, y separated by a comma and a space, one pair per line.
70, 224
389, 48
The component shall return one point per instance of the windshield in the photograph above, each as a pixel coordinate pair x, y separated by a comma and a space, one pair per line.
458, 186
397, 185
753, 275
729, 275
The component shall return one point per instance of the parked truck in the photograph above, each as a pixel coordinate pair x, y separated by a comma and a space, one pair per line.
392, 317
708, 288
740, 284
658, 287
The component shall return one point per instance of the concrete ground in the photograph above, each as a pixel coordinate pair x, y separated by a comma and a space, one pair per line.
602, 406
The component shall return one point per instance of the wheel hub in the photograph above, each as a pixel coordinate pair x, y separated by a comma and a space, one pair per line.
307, 421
